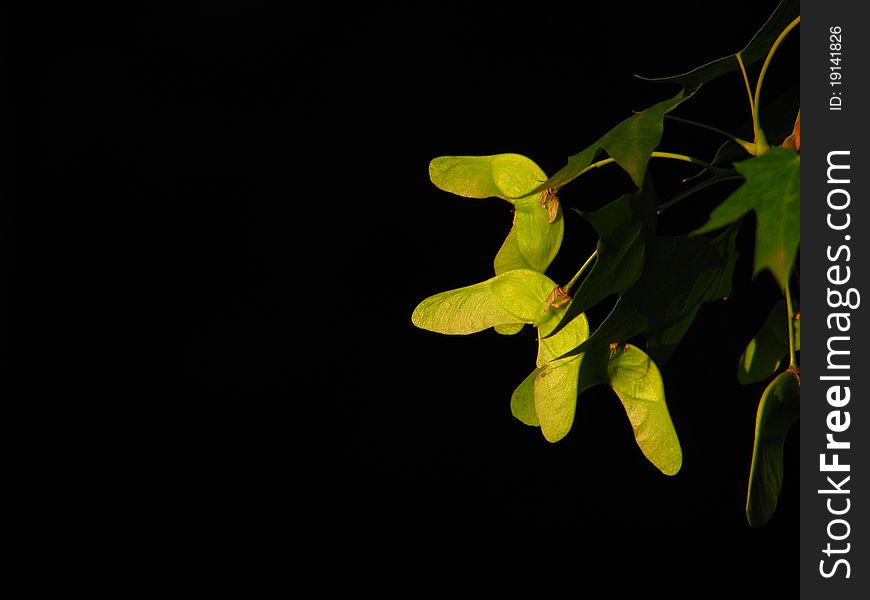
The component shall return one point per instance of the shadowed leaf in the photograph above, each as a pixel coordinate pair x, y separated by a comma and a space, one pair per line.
630, 144
777, 412
755, 50
778, 116
766, 351
679, 275
624, 227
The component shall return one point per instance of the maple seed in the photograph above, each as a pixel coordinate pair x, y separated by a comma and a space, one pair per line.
557, 299
550, 201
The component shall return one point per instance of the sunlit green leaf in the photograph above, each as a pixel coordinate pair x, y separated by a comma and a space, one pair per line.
509, 298
772, 190
540, 244
555, 390
512, 177
679, 275
514, 297
535, 236
756, 49
630, 144
548, 396
538, 239
509, 329
766, 351
777, 412
555, 386
638, 383
533, 242
523, 400
624, 227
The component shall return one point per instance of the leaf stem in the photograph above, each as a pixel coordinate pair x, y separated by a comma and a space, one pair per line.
792, 357
748, 146
682, 157
595, 165
691, 191
749, 94
671, 155
763, 147
570, 284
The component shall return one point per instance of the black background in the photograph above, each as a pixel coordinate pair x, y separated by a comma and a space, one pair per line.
233, 209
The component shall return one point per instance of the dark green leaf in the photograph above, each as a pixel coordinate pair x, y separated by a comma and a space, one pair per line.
772, 190
778, 117
624, 227
673, 309
777, 412
755, 50
766, 351
716, 179
630, 144
680, 274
